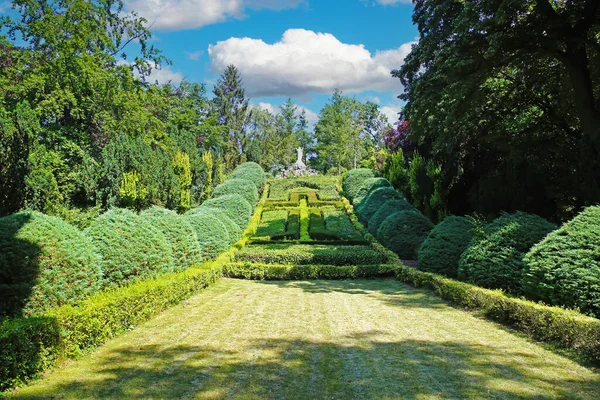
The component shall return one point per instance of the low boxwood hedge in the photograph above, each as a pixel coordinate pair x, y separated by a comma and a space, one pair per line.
179, 233
44, 262
441, 251
234, 232
388, 208
310, 254
211, 233
131, 247
234, 205
494, 258
403, 232
250, 171
564, 268
354, 179
243, 187
368, 186
258, 271
374, 201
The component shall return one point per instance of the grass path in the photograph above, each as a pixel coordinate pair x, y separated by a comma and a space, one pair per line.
318, 339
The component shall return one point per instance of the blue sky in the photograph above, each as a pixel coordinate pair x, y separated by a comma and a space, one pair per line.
302, 49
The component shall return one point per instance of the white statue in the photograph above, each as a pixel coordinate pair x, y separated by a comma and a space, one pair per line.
300, 155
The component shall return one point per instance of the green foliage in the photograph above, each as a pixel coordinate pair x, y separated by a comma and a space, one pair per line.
369, 186
338, 222
388, 208
132, 248
131, 191
180, 235
403, 232
564, 268
258, 271
45, 263
272, 224
243, 187
250, 171
233, 230
397, 173
374, 201
279, 189
354, 179
207, 158
234, 205
494, 258
310, 254
182, 168
441, 251
211, 232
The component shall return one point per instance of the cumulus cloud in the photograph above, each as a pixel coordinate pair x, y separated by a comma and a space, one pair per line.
311, 116
171, 15
305, 62
162, 75
391, 112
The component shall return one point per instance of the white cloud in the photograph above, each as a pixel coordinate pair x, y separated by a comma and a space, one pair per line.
305, 62
374, 99
311, 116
162, 75
194, 55
174, 15
391, 112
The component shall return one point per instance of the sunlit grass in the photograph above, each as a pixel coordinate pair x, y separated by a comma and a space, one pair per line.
319, 339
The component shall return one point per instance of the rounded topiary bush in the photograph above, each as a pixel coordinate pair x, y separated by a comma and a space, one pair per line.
403, 232
494, 258
252, 172
132, 248
564, 268
354, 180
374, 201
389, 207
211, 233
369, 186
233, 230
180, 235
234, 205
442, 249
44, 262
243, 187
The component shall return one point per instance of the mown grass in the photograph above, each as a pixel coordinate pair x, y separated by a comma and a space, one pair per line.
318, 339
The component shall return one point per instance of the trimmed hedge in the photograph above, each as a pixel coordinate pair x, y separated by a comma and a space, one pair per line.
233, 230
243, 187
250, 171
44, 262
131, 247
354, 179
374, 201
494, 258
179, 233
368, 186
257, 271
403, 232
441, 251
564, 268
211, 233
388, 208
234, 205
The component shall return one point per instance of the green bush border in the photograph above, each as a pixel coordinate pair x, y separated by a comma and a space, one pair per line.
258, 271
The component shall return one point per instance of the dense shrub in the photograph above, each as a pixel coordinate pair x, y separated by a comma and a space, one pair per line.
442, 249
494, 258
368, 186
256, 271
403, 232
243, 187
354, 180
233, 230
44, 262
374, 201
234, 205
211, 233
180, 235
252, 172
311, 254
131, 247
564, 268
389, 207
272, 223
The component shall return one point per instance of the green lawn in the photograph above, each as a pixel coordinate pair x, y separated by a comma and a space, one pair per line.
318, 339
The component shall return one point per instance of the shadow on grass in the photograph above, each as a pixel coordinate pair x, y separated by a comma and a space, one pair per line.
353, 368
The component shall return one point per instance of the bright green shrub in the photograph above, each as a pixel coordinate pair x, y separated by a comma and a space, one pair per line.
374, 201
44, 262
368, 186
354, 180
403, 232
180, 235
310, 254
131, 247
272, 223
235, 206
211, 233
442, 249
257, 271
494, 258
233, 230
564, 268
243, 187
388, 208
337, 221
252, 172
